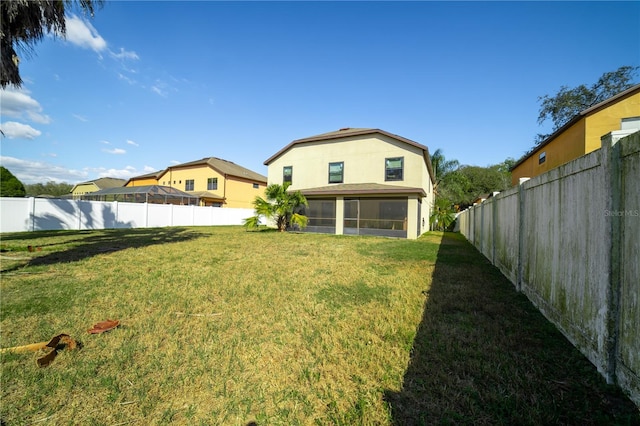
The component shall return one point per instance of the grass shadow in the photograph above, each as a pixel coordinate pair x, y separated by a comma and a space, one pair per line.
91, 243
483, 354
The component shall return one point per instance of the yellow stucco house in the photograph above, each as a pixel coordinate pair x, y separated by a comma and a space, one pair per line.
145, 180
581, 134
88, 187
217, 182
359, 181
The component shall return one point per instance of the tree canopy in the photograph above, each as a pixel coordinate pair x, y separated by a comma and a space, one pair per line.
280, 205
459, 185
10, 186
569, 102
23, 23
50, 188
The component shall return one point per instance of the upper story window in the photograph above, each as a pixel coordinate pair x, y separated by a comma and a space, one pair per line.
542, 158
336, 172
287, 174
394, 168
212, 184
256, 186
188, 185
630, 123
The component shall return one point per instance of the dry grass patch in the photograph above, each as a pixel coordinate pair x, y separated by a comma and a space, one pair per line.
223, 326
219, 326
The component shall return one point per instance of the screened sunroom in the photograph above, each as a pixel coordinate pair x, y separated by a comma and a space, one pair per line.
364, 209
152, 194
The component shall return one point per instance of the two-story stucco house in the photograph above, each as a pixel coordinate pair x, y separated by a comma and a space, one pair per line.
359, 181
216, 182
88, 187
581, 135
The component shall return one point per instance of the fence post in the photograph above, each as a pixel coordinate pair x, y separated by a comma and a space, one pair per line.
610, 161
521, 233
494, 226
31, 206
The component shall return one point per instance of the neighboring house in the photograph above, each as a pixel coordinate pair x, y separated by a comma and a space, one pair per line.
145, 180
214, 181
581, 134
359, 181
83, 188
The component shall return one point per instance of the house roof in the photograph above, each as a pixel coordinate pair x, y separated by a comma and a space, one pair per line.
155, 175
103, 183
362, 189
349, 132
208, 195
224, 167
592, 109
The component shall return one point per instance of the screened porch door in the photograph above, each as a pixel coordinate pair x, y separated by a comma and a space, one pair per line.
376, 216
351, 217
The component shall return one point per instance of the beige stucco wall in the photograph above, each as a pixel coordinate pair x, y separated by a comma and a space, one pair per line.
364, 162
363, 157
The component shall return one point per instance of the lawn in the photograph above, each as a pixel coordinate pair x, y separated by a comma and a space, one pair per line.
224, 326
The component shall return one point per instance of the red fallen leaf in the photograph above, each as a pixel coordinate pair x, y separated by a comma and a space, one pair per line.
103, 326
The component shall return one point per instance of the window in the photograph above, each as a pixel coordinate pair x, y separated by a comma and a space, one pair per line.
287, 174
188, 185
542, 158
393, 168
630, 123
212, 184
336, 172
256, 186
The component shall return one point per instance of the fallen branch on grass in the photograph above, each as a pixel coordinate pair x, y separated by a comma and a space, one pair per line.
217, 314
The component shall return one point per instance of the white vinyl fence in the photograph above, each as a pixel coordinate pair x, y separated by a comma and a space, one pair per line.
42, 214
570, 240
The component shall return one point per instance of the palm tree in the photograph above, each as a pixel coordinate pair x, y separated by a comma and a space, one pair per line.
25, 22
442, 167
443, 215
281, 206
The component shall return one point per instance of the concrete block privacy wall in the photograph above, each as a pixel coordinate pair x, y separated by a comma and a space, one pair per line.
570, 240
41, 214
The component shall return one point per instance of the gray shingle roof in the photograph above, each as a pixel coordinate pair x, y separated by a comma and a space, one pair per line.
225, 167
362, 189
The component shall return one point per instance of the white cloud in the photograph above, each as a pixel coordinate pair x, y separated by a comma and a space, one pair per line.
159, 91
80, 117
125, 173
14, 130
130, 142
18, 104
30, 172
125, 54
116, 151
105, 142
127, 79
83, 34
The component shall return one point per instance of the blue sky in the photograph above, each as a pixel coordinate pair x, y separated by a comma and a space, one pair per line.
145, 85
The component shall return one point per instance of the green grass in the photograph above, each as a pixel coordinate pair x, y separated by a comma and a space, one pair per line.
224, 326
